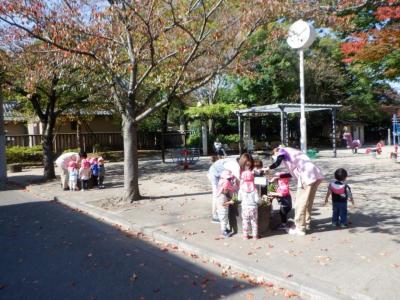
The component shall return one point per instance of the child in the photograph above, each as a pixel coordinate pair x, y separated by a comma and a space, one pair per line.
94, 168
224, 199
84, 174
72, 175
340, 192
248, 195
283, 197
102, 172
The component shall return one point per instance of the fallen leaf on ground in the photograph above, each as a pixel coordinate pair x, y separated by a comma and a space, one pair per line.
290, 294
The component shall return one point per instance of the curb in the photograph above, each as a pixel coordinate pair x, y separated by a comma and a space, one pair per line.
301, 289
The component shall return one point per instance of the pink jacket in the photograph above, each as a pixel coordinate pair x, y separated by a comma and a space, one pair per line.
300, 166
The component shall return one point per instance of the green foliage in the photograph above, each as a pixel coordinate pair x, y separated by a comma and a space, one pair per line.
151, 124
217, 110
228, 139
18, 154
194, 140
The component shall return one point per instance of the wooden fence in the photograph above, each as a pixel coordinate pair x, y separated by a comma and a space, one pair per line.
111, 140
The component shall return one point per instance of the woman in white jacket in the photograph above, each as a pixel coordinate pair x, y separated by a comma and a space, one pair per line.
235, 166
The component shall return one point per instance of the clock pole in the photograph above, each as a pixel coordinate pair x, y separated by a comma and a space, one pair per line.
303, 124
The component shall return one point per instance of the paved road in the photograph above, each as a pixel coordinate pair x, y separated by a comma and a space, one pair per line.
48, 251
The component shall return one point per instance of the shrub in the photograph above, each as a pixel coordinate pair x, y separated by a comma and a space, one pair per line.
194, 140
229, 138
18, 154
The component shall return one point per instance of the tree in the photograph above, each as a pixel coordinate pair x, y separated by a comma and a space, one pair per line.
48, 86
144, 48
373, 40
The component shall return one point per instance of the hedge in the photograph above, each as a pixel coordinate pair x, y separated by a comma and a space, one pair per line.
18, 154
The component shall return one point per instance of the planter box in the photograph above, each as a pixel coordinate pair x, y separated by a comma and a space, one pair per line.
264, 216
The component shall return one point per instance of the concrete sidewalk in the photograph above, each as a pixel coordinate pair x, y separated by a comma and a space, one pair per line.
361, 262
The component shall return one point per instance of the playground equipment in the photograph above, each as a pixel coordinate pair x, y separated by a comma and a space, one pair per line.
396, 130
375, 151
185, 156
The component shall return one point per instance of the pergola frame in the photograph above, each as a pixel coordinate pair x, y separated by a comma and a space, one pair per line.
284, 109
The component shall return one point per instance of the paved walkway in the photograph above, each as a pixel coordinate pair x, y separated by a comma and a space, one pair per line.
361, 262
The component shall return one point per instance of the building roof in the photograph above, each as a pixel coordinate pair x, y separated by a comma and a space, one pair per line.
289, 108
11, 113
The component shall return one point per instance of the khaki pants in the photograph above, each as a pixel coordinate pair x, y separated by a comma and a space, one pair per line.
303, 206
64, 177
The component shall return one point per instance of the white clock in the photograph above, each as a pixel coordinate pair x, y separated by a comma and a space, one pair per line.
301, 35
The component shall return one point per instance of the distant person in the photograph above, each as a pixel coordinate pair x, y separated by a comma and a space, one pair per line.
72, 175
341, 194
249, 198
84, 175
62, 163
308, 176
224, 199
219, 149
354, 145
235, 165
94, 168
102, 172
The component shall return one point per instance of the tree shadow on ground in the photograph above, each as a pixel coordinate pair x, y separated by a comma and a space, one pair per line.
52, 252
19, 182
360, 223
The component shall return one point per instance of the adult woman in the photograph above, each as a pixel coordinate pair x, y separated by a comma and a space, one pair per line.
235, 165
308, 178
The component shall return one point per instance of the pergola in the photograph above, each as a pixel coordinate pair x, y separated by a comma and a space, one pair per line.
284, 109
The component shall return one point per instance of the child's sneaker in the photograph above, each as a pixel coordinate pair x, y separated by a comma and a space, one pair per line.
246, 237
344, 225
227, 234
256, 237
295, 231
333, 224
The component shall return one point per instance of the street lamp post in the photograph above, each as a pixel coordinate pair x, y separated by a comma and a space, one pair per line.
301, 36
3, 166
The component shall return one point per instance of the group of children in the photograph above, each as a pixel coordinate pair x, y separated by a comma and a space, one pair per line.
230, 193
250, 197
90, 169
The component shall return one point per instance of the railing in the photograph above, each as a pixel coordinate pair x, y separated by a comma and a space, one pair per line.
112, 140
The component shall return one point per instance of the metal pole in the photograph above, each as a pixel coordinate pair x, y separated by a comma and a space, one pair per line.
282, 127
3, 164
240, 134
334, 132
303, 125
286, 139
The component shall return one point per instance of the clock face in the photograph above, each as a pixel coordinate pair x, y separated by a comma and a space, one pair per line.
301, 35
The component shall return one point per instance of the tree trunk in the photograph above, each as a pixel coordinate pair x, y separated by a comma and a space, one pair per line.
131, 165
164, 130
48, 156
78, 135
210, 126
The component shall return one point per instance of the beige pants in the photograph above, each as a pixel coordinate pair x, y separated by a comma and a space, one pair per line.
303, 206
64, 177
